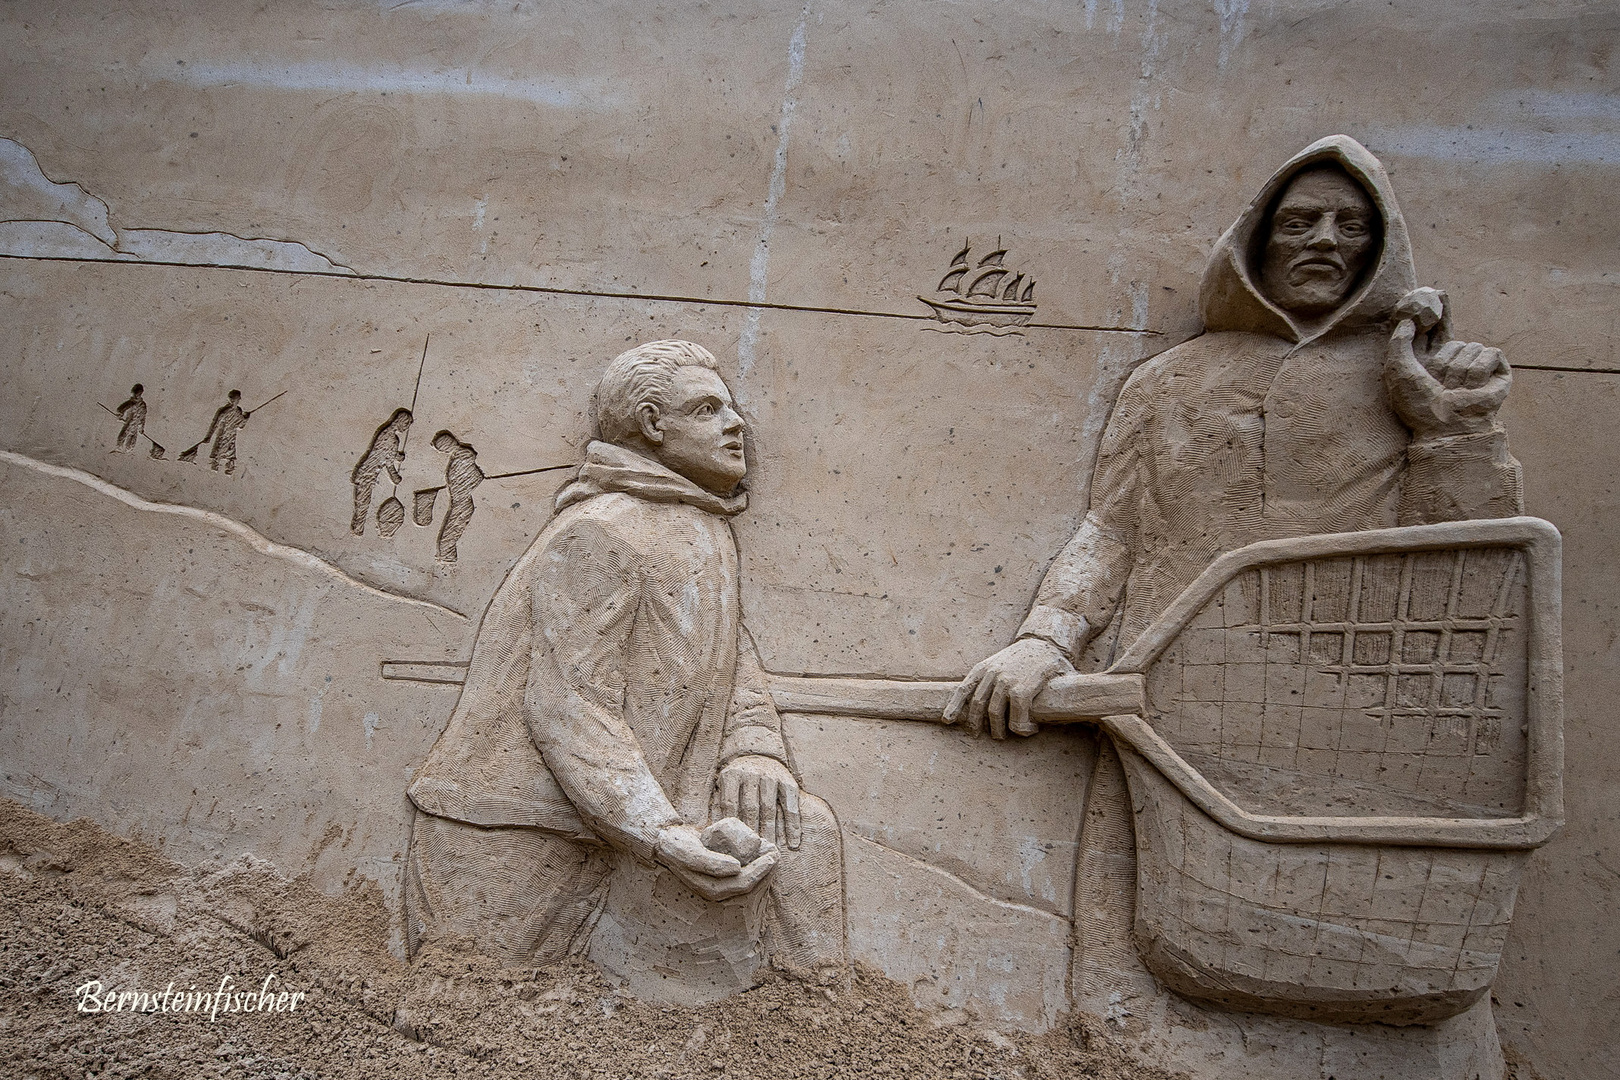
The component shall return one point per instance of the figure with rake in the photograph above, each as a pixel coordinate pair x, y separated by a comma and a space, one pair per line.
228, 420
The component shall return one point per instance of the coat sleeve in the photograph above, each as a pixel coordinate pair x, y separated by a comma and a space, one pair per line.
586, 590
1461, 477
752, 723
1082, 588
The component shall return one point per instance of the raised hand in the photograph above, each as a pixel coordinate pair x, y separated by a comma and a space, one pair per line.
1440, 386
999, 689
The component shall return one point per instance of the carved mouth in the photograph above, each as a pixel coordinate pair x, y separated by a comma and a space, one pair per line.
1316, 268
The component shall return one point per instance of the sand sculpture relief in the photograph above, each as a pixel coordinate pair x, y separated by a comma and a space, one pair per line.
1346, 743
615, 772
1330, 705
1232, 751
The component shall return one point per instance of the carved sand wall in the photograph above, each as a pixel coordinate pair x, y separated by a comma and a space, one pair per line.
466, 211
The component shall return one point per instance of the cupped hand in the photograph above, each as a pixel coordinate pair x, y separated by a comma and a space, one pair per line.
999, 689
713, 875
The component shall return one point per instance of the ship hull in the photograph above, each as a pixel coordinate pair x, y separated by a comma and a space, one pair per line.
970, 314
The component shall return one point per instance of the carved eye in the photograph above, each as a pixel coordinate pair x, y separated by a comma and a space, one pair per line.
1296, 225
1353, 228
705, 411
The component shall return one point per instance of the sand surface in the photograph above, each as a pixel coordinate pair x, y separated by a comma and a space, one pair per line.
79, 905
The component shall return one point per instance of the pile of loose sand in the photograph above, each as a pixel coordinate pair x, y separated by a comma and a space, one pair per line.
78, 904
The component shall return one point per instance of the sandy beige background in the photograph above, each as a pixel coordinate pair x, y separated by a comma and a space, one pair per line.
537, 186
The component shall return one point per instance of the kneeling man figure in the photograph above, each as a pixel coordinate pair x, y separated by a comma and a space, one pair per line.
614, 708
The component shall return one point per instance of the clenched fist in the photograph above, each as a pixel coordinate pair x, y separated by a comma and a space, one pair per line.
1439, 386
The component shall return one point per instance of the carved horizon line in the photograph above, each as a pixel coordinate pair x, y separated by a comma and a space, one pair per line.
553, 290
255, 539
557, 290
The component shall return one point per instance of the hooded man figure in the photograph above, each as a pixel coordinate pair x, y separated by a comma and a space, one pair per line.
1324, 395
614, 706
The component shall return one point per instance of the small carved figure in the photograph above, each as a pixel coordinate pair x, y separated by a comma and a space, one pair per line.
385, 452
614, 707
227, 422
461, 475
133, 413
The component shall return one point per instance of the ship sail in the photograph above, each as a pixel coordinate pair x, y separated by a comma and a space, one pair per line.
986, 295
987, 282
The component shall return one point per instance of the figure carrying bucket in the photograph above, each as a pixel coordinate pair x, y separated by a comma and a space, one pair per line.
385, 453
461, 475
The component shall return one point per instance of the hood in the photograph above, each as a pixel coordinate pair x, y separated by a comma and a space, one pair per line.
610, 468
1230, 299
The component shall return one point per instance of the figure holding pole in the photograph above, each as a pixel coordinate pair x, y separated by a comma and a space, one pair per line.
397, 432
228, 420
386, 452
133, 413
461, 475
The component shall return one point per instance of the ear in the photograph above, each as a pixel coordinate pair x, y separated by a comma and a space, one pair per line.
650, 422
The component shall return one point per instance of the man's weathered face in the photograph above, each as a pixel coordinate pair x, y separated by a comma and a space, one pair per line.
1322, 234
703, 433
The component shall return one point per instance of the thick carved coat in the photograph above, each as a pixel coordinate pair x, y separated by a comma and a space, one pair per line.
1263, 427
612, 677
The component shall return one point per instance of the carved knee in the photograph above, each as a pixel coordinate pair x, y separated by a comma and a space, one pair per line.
816, 818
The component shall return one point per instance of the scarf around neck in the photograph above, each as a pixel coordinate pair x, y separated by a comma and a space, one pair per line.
611, 468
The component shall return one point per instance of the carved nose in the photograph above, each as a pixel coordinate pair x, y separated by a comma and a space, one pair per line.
1322, 237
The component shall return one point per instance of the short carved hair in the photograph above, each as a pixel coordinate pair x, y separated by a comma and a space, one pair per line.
642, 374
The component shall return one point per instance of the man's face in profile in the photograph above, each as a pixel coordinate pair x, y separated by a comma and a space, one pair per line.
703, 433
1322, 234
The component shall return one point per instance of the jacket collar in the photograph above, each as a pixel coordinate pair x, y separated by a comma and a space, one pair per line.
611, 468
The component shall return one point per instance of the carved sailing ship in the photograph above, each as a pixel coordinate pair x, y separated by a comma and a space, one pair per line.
989, 296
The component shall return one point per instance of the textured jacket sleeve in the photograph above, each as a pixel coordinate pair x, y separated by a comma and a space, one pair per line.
585, 595
752, 723
1460, 477
1082, 587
